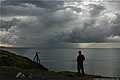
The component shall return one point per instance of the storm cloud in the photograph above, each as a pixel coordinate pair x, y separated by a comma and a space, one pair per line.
53, 23
5, 25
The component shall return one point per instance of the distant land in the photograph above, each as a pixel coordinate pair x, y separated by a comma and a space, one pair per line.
4, 47
16, 47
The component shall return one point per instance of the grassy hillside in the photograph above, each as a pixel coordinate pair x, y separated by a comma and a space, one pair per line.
10, 61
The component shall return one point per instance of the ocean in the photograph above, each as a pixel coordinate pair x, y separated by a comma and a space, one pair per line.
99, 61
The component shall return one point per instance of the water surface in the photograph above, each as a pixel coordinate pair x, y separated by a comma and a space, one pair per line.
105, 62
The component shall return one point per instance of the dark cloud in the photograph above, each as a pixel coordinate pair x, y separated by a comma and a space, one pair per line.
39, 29
53, 24
5, 25
29, 8
57, 19
88, 32
32, 8
38, 3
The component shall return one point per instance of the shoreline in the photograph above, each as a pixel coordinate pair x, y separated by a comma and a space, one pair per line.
6, 71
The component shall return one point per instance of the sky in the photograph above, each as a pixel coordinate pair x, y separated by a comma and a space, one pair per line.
60, 24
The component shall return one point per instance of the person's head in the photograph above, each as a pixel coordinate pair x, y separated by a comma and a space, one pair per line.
79, 52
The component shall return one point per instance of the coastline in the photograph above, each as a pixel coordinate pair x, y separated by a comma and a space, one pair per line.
8, 72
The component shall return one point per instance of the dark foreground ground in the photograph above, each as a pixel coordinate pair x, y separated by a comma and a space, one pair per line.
39, 76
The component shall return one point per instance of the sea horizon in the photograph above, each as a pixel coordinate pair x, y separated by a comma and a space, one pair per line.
99, 61
53, 48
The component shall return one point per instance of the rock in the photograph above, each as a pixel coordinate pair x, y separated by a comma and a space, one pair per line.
70, 75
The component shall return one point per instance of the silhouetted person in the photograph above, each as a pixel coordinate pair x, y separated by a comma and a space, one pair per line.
80, 60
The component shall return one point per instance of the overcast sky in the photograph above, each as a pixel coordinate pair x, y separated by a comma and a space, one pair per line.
53, 24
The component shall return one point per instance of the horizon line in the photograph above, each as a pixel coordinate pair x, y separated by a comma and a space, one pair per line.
58, 47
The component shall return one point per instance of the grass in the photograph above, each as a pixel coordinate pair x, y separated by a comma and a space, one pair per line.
72, 74
11, 60
16, 69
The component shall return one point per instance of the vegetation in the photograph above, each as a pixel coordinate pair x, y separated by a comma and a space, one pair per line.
70, 74
12, 62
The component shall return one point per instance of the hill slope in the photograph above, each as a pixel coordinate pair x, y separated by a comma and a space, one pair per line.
11, 60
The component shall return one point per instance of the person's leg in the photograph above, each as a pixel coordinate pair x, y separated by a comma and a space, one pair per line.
78, 68
82, 69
